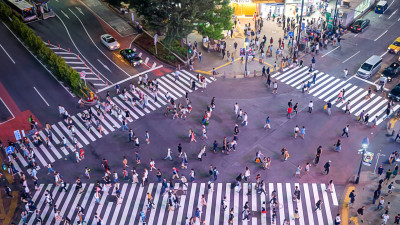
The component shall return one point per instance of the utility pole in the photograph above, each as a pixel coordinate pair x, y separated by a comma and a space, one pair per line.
299, 30
335, 15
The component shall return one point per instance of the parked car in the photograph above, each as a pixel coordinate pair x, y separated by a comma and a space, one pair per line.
370, 67
109, 42
395, 46
130, 56
395, 93
359, 25
392, 71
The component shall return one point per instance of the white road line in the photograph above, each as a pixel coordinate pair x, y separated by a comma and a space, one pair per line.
308, 204
80, 67
394, 110
46, 153
371, 103
44, 211
124, 202
41, 96
289, 198
335, 89
35, 196
102, 203
189, 213
189, 80
351, 56
53, 149
154, 65
37, 153
331, 83
320, 78
7, 108
254, 203
156, 198
162, 89
161, 213
171, 213
140, 54
334, 95
65, 129
384, 55
59, 199
152, 98
179, 82
194, 77
244, 200
168, 88
316, 198
77, 132
94, 130
103, 121
107, 213
182, 207
301, 77
236, 205
149, 104
280, 199
61, 135
334, 197
356, 93
362, 102
284, 78
300, 206
263, 215
395, 11
381, 35
217, 204
322, 84
92, 203
83, 128
330, 51
173, 84
7, 54
66, 202
199, 205
21, 159
367, 81
271, 189
381, 111
84, 201
327, 206
136, 206
228, 198
123, 106
209, 206
73, 62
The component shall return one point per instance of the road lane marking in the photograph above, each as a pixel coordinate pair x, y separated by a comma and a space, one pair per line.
381, 35
351, 57
64, 14
41, 96
392, 14
7, 53
104, 65
330, 51
384, 54
79, 9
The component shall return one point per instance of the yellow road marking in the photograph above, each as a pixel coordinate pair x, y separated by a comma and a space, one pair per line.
345, 207
228, 63
201, 71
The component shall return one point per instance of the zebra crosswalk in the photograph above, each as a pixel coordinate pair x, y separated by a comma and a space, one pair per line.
327, 88
134, 201
46, 154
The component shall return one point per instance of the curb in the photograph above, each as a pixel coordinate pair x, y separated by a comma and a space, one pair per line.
345, 205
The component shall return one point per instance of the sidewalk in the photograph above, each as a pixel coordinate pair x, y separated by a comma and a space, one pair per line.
270, 29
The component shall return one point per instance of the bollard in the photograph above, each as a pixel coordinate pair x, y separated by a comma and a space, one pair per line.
255, 74
69, 50
91, 69
84, 63
79, 58
107, 83
48, 42
179, 66
234, 74
224, 74
98, 76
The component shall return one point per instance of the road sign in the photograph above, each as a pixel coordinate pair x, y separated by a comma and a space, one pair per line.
17, 135
10, 149
83, 74
290, 34
368, 156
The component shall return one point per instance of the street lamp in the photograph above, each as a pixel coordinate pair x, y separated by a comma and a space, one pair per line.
365, 144
299, 31
246, 42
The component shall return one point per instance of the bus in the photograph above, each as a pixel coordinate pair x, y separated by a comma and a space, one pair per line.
22, 9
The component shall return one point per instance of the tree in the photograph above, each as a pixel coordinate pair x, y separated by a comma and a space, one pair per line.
218, 19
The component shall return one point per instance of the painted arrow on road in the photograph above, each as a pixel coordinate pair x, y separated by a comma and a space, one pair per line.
79, 9
64, 14
104, 65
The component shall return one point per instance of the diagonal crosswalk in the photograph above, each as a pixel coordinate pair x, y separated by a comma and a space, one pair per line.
134, 200
327, 88
83, 135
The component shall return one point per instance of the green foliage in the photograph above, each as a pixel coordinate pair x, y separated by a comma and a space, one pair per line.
147, 42
55, 63
218, 20
176, 47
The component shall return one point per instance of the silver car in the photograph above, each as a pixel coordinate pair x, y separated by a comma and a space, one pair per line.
109, 42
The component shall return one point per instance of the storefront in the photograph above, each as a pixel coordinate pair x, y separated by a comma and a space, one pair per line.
293, 7
262, 7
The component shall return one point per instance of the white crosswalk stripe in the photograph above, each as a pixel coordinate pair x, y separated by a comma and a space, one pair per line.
327, 88
212, 213
109, 122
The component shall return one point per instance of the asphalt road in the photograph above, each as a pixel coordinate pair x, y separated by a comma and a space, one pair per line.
29, 84
356, 48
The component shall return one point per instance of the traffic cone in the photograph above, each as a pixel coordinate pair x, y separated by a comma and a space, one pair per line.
48, 42
59, 47
69, 50
107, 83
98, 76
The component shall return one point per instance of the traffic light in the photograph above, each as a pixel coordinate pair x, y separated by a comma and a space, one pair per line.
190, 51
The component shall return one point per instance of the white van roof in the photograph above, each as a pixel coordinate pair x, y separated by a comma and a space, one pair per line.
382, 3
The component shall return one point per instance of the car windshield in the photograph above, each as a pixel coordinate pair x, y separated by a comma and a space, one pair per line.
366, 66
357, 23
396, 43
390, 69
110, 39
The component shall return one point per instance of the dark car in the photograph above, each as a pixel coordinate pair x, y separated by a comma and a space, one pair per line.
392, 71
130, 56
395, 93
359, 25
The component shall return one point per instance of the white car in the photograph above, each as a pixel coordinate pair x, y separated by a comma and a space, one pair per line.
109, 42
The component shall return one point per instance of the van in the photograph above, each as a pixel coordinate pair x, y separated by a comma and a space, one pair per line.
381, 7
370, 67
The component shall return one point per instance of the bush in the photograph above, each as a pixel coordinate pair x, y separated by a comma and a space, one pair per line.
55, 63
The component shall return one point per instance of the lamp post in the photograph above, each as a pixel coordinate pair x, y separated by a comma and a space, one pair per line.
365, 144
246, 43
335, 15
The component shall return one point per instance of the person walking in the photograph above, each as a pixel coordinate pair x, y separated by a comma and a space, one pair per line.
303, 132
327, 167
318, 205
168, 155
296, 131
329, 107
345, 72
352, 197
310, 106
275, 90
347, 109
346, 131
289, 112
298, 169
147, 137
338, 145
360, 213
267, 123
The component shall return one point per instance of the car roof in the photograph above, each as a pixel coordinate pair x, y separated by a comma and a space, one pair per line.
382, 3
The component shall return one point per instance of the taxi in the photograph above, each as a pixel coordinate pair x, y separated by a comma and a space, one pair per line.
395, 46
